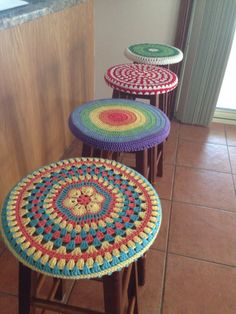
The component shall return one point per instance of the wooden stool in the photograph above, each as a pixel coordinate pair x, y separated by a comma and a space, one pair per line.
153, 53
131, 81
108, 127
82, 218
159, 55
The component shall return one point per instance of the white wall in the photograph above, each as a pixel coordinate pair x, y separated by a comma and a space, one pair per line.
120, 23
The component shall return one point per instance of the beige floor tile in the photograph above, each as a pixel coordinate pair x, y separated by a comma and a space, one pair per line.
215, 133
164, 185
197, 287
161, 240
231, 134
150, 294
8, 273
203, 233
204, 187
8, 304
170, 150
174, 129
205, 156
88, 294
232, 155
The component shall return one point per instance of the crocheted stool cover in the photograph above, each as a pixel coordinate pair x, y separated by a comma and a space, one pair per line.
81, 218
154, 54
119, 125
141, 79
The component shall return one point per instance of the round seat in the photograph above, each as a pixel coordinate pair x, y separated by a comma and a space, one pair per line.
119, 125
141, 79
157, 54
81, 218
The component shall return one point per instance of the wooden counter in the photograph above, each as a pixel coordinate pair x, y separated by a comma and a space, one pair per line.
46, 70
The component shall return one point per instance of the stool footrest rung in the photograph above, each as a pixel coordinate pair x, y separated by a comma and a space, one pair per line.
60, 307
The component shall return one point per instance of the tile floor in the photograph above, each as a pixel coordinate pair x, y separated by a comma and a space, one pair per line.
192, 264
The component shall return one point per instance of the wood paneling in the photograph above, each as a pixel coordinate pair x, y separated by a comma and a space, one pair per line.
46, 70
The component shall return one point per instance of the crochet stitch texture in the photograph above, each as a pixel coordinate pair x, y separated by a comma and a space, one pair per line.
141, 79
150, 53
81, 218
119, 125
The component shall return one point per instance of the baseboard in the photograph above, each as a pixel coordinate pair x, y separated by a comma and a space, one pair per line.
226, 116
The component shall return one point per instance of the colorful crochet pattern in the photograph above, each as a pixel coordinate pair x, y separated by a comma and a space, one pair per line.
154, 54
81, 218
141, 79
119, 125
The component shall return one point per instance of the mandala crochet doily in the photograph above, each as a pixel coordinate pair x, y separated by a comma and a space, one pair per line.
81, 218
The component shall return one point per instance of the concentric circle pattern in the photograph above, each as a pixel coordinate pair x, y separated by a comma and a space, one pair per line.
119, 125
141, 79
81, 218
154, 54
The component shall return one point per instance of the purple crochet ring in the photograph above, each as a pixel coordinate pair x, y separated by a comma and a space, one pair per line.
119, 125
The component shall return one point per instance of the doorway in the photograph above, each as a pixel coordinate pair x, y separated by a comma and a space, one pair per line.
226, 104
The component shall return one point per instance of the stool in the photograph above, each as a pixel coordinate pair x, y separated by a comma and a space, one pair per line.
112, 126
131, 81
78, 219
157, 54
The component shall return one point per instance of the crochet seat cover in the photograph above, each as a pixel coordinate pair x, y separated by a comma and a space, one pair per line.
158, 54
119, 125
80, 218
141, 79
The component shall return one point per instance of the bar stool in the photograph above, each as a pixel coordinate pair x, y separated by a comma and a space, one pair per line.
108, 127
153, 53
156, 54
143, 81
81, 218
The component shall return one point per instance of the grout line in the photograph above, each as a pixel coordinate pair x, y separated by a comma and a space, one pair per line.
198, 168
202, 142
202, 259
234, 183
206, 206
8, 294
168, 233
157, 250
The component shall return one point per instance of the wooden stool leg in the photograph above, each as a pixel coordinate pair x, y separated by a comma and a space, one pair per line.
60, 291
160, 161
112, 287
153, 154
162, 102
133, 290
115, 94
141, 159
142, 167
142, 270
24, 289
86, 150
154, 100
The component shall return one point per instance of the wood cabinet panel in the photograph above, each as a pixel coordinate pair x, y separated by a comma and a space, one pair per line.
46, 70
